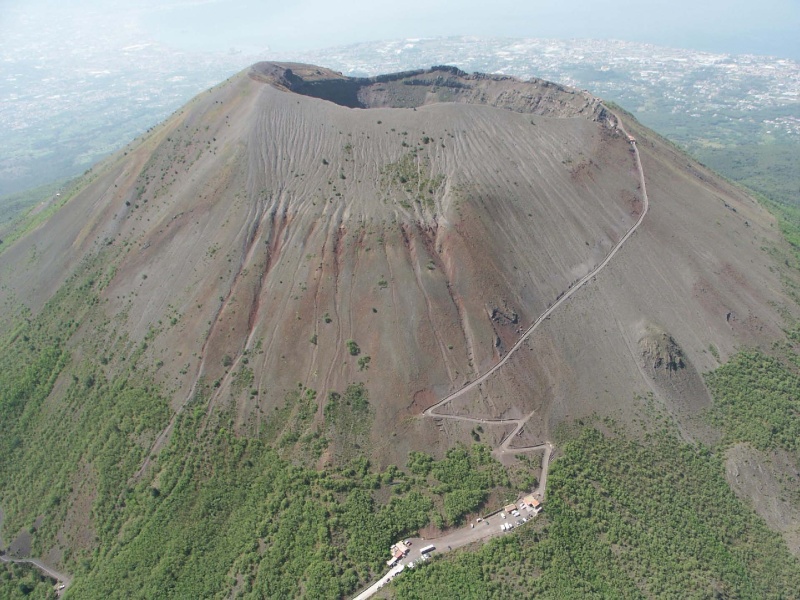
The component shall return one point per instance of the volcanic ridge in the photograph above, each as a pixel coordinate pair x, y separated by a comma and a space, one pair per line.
293, 234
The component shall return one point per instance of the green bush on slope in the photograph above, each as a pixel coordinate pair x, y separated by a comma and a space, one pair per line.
624, 519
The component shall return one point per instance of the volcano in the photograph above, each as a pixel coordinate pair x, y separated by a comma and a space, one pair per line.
294, 241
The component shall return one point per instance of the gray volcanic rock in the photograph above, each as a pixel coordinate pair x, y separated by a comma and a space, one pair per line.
429, 217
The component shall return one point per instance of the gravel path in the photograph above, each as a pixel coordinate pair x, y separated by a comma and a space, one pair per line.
491, 526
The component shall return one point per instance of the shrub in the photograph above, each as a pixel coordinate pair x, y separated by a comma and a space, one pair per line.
353, 348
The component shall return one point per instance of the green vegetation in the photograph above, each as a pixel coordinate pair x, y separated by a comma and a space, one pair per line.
219, 512
352, 348
21, 581
789, 220
373, 529
656, 517
216, 511
13, 206
624, 519
463, 480
757, 400
293, 422
770, 169
18, 220
464, 485
412, 176
653, 517
243, 379
230, 513
100, 429
348, 418
787, 258
355, 399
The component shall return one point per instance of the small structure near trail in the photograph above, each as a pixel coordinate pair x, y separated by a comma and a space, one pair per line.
398, 551
533, 503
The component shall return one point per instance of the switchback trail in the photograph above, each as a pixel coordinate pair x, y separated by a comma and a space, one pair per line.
505, 447
463, 536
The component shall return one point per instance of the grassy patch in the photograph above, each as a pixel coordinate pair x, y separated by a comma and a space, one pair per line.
348, 419
770, 169
13, 206
411, 176
353, 348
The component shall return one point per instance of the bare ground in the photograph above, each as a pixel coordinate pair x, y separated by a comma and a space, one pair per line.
430, 229
770, 483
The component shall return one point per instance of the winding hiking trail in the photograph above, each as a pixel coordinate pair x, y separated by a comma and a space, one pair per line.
505, 446
467, 535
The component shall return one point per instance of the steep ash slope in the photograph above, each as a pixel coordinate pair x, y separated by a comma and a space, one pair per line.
296, 265
259, 231
695, 283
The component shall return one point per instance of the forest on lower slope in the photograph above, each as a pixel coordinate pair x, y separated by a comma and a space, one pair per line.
625, 518
634, 515
217, 512
629, 513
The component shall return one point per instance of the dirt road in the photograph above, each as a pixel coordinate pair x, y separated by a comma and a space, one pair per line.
490, 526
431, 411
60, 577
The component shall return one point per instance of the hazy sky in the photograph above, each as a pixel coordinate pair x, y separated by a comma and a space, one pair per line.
767, 26
737, 26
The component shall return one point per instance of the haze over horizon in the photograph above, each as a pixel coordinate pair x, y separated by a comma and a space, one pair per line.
768, 27
528, 302
78, 81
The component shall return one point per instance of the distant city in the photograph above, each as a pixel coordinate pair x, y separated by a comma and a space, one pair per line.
732, 91
59, 116
57, 119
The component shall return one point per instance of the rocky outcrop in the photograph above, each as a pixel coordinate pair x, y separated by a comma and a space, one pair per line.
660, 351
